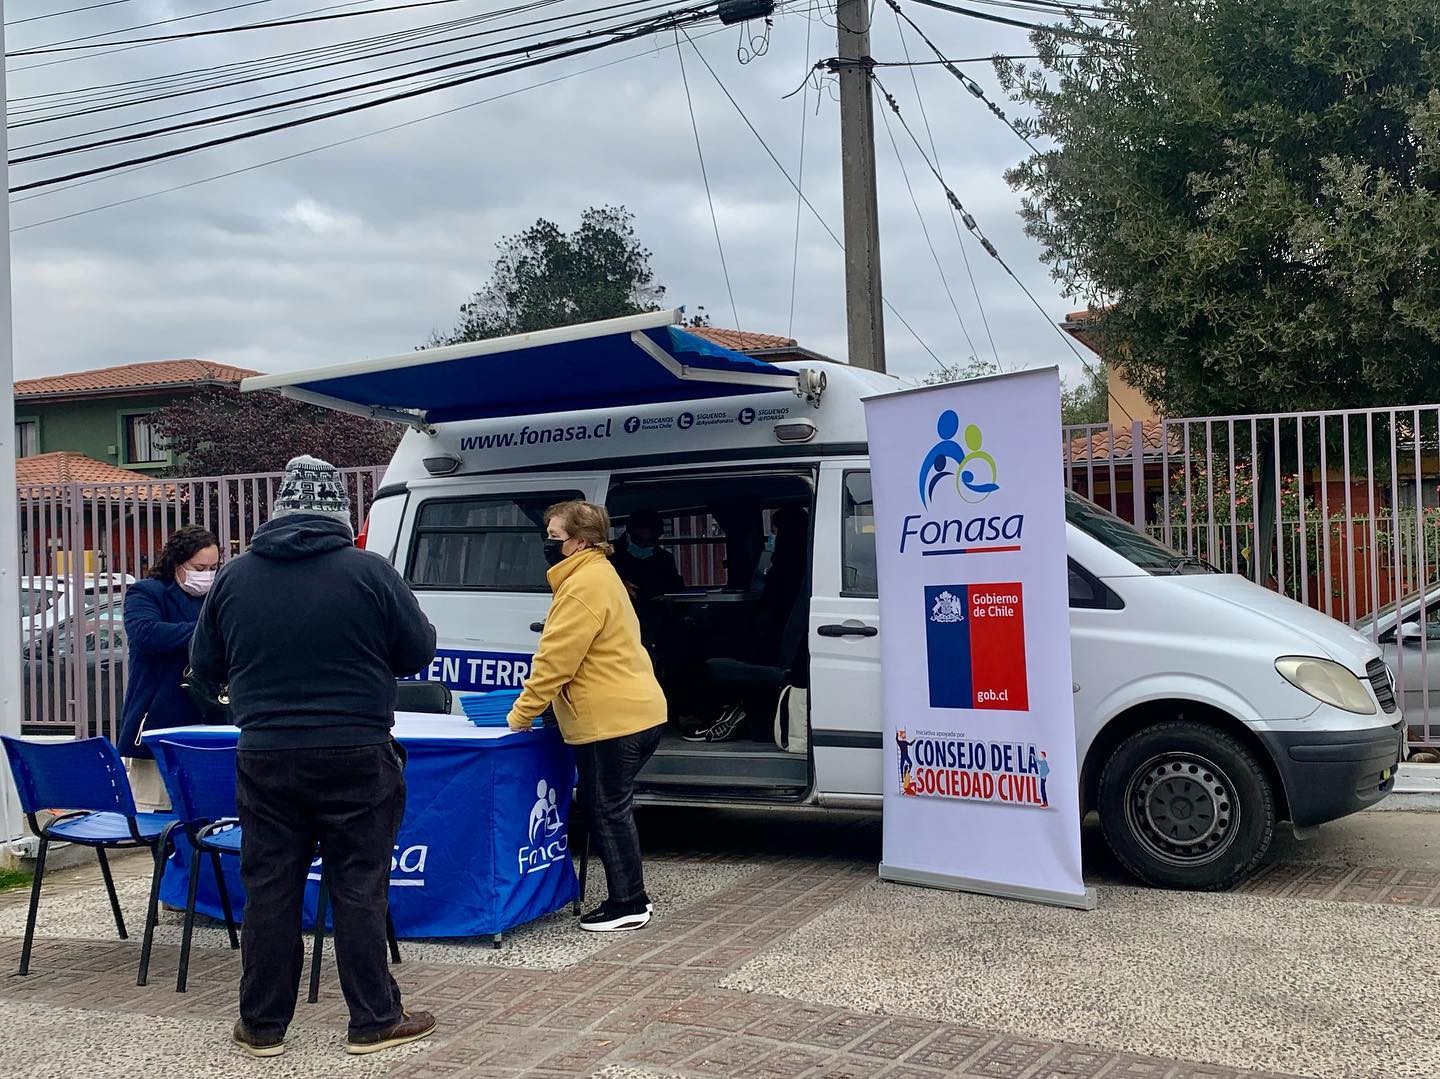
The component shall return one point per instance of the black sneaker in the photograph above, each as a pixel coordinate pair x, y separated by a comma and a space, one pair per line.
257, 1046
611, 917
722, 729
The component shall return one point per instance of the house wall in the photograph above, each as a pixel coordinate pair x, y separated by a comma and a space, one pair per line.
89, 426
1125, 398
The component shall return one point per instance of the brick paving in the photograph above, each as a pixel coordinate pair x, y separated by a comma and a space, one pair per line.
651, 1001
1395, 885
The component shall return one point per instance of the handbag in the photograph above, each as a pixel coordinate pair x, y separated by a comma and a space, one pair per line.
792, 720
212, 701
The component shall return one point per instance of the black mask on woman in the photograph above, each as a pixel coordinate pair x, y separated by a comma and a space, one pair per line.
554, 551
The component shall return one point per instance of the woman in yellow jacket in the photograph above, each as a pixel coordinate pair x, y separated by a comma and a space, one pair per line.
592, 667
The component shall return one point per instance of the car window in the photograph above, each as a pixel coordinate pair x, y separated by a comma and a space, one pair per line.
493, 543
857, 531
1127, 541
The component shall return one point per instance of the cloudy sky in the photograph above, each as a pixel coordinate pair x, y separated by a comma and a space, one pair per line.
362, 249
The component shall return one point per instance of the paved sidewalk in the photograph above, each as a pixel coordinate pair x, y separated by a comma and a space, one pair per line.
791, 961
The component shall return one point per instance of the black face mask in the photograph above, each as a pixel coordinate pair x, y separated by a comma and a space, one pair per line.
554, 551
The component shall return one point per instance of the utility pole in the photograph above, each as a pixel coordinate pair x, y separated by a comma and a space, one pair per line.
864, 316
10, 672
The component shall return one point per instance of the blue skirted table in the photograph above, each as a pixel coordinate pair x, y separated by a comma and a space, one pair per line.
484, 845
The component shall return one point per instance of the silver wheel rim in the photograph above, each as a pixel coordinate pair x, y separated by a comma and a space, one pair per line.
1182, 808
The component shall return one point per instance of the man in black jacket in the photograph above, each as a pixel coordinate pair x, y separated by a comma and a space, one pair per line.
310, 634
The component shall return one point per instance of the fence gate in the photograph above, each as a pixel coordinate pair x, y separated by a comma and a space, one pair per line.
1339, 510
82, 546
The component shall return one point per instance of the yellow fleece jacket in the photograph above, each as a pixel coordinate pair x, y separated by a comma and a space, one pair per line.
590, 663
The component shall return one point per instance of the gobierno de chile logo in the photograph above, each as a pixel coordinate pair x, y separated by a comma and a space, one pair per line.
975, 476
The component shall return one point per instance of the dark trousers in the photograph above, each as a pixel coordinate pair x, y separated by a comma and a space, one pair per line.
607, 795
349, 800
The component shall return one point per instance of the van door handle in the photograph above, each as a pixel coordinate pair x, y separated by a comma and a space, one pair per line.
537, 627
847, 631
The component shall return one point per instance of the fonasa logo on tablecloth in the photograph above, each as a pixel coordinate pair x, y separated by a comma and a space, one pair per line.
549, 845
972, 472
961, 769
407, 866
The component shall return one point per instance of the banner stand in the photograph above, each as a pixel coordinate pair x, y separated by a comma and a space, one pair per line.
925, 879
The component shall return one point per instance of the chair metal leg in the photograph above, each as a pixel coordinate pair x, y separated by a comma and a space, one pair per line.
391, 938
495, 940
224, 899
161, 852
321, 903
110, 887
196, 857
34, 905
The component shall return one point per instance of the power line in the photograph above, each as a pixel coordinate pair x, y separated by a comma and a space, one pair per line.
67, 11
680, 16
954, 221
190, 34
705, 176
306, 57
647, 25
800, 179
647, 52
925, 229
966, 81
989, 247
809, 205
1058, 31
613, 9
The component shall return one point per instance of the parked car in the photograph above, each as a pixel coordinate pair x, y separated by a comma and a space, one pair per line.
92, 646
1408, 633
45, 601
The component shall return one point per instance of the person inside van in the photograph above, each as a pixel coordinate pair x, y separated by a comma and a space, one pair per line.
591, 666
646, 569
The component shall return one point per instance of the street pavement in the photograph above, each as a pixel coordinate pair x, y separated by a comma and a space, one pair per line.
776, 953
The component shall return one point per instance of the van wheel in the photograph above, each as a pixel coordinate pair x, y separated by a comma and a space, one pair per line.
1183, 805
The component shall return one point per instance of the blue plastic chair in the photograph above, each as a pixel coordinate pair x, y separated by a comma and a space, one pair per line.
86, 779
201, 782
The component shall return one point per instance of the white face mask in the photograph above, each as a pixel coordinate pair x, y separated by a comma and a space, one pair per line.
198, 581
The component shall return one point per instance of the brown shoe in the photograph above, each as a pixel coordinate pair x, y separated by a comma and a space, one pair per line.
256, 1046
411, 1028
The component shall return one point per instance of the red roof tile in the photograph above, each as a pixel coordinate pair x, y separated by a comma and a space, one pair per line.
132, 376
1096, 447
740, 340
65, 466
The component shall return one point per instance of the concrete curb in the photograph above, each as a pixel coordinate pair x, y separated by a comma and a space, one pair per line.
1417, 779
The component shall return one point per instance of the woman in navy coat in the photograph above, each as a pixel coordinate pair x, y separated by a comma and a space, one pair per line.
160, 617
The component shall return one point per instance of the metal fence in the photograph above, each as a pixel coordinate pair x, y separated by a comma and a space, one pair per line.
1338, 510
82, 546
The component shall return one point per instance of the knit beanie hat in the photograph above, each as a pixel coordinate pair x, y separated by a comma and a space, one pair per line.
315, 487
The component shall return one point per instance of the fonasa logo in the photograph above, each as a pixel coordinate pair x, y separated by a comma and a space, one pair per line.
407, 866
976, 476
549, 845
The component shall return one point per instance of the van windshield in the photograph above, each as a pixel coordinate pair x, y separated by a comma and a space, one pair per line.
1127, 541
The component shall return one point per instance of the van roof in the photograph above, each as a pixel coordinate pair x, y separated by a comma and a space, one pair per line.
619, 363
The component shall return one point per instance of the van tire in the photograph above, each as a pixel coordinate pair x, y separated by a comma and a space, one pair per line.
1184, 805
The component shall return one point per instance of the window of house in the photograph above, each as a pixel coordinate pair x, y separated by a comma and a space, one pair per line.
493, 543
143, 444
27, 438
858, 576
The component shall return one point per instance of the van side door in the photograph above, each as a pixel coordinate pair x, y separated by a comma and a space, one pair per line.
845, 702
473, 551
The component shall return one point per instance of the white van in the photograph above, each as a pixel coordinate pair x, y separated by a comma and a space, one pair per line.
1207, 709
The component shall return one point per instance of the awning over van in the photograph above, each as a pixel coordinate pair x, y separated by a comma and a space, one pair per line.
638, 360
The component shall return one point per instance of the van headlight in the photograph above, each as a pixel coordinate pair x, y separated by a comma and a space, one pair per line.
1326, 681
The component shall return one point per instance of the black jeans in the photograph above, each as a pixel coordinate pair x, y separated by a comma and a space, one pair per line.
607, 794
350, 800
